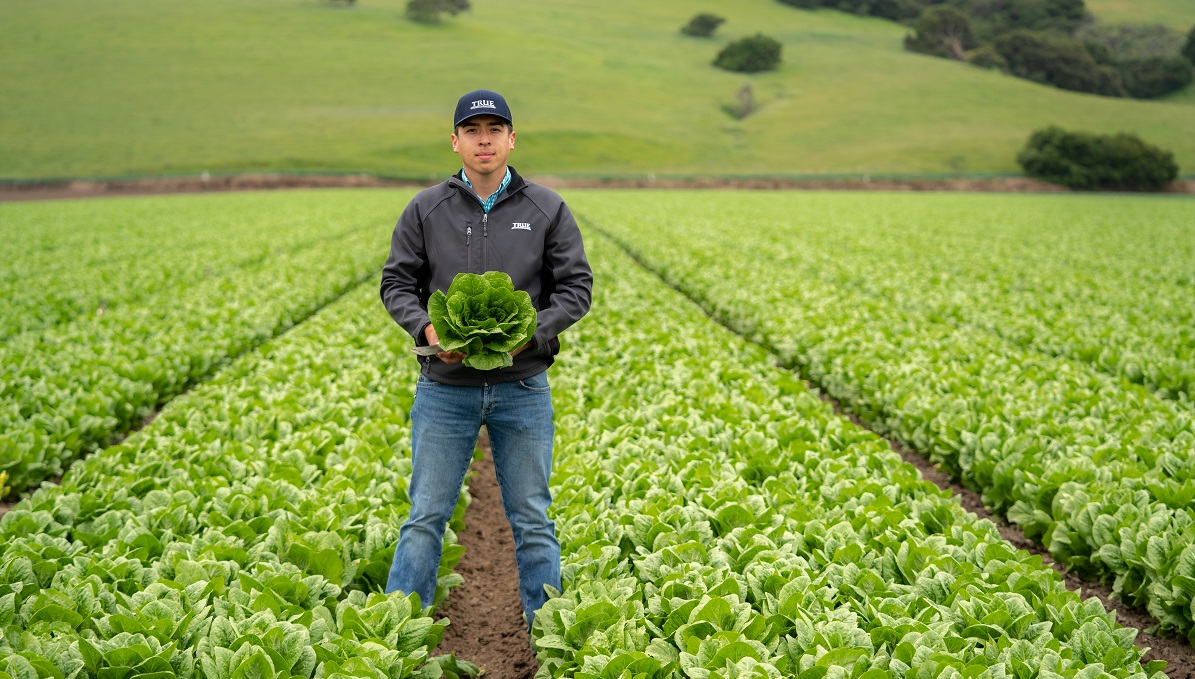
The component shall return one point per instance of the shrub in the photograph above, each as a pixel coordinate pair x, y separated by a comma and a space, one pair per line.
1093, 161
986, 56
992, 18
898, 10
431, 11
703, 25
1100, 53
942, 31
1128, 42
1057, 60
1155, 77
895, 10
750, 55
1189, 48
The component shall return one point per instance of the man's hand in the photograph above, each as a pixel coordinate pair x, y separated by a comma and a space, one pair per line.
518, 351
449, 357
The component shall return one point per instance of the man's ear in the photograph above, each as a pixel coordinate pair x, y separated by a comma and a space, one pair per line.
512, 139
454, 141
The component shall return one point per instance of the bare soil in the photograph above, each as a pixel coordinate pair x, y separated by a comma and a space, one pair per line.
1177, 651
487, 626
59, 189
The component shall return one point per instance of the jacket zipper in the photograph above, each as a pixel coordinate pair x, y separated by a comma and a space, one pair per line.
468, 234
485, 218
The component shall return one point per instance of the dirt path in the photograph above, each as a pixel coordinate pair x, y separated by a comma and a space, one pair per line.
487, 618
60, 189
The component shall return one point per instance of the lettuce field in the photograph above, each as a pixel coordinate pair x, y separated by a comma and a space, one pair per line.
205, 422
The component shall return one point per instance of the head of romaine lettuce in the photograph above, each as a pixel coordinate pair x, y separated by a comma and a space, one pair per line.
484, 317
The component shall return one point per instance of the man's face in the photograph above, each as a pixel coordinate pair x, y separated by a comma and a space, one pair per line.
483, 143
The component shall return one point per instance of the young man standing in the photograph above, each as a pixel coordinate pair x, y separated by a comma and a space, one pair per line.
484, 218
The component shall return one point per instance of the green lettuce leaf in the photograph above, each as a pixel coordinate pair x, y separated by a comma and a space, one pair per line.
484, 317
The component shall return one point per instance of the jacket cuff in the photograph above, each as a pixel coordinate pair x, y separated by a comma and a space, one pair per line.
421, 335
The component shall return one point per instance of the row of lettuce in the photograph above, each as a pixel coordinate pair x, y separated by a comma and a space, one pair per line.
1109, 284
117, 309
1100, 470
68, 260
247, 532
719, 520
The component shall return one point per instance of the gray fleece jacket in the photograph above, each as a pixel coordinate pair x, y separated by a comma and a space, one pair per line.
529, 233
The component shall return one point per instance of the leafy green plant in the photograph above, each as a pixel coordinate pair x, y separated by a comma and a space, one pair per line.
247, 531
717, 519
157, 303
484, 317
1019, 381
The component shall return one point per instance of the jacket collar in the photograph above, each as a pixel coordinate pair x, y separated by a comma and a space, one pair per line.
517, 183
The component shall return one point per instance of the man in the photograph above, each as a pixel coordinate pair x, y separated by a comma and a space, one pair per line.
484, 218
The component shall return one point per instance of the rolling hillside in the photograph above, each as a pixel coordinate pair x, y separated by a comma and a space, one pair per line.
611, 88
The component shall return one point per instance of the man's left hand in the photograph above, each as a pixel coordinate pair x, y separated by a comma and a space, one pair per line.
518, 351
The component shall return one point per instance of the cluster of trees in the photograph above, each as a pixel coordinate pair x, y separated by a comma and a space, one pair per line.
1096, 161
751, 54
1048, 41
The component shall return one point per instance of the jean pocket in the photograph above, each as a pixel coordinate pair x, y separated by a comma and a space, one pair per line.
536, 384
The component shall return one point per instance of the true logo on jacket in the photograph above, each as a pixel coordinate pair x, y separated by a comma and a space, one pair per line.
521, 226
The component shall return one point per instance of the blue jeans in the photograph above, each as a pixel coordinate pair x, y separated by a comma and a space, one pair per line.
445, 420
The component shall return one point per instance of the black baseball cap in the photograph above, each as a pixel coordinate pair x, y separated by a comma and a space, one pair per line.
479, 103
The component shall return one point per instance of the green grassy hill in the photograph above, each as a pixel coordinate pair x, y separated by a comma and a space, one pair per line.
597, 88
1177, 13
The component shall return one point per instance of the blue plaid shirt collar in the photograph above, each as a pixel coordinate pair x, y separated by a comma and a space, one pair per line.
489, 202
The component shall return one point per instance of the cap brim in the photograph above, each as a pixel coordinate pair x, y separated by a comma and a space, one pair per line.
486, 113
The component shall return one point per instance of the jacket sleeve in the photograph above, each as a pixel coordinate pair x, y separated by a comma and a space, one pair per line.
401, 276
564, 258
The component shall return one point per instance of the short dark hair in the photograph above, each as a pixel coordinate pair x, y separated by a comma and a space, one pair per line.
510, 127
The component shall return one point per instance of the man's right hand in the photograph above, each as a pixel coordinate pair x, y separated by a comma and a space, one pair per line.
449, 357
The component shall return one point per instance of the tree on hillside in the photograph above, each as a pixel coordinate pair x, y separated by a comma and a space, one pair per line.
895, 10
703, 25
1128, 42
432, 11
1096, 161
942, 31
996, 17
1189, 48
750, 55
1057, 60
1156, 76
